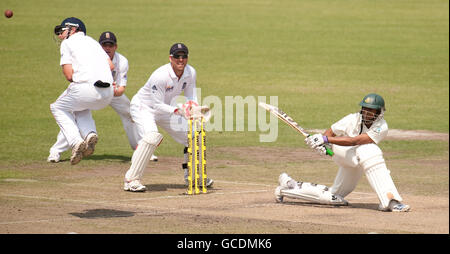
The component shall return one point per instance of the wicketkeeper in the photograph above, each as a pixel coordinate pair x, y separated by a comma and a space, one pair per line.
154, 106
353, 140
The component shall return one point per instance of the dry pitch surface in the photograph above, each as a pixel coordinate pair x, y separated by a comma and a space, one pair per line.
80, 199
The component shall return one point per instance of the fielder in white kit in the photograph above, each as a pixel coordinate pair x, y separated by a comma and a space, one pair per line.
88, 69
353, 140
155, 105
120, 102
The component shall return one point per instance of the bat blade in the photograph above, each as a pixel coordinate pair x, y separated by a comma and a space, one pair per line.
289, 121
284, 117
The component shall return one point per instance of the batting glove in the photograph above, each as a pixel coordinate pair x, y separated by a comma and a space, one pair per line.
316, 140
321, 150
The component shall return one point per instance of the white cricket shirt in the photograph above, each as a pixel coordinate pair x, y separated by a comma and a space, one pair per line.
350, 126
88, 59
163, 86
120, 69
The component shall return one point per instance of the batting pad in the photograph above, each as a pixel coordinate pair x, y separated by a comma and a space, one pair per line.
379, 177
142, 155
314, 193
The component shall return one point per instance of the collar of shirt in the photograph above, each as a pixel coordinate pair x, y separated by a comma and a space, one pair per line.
75, 35
173, 76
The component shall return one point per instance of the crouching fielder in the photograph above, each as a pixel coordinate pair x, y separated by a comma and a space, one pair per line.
353, 140
152, 107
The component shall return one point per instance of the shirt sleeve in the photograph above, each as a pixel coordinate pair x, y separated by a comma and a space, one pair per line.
340, 127
378, 131
66, 56
123, 70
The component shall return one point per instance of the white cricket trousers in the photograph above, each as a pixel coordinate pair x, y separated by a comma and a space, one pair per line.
86, 124
121, 104
72, 109
147, 121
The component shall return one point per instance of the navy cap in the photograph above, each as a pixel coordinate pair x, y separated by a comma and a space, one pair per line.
178, 47
107, 37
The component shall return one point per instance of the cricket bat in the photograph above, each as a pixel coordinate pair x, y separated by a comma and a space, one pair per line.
289, 121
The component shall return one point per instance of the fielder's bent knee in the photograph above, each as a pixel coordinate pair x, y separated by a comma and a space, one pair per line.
152, 138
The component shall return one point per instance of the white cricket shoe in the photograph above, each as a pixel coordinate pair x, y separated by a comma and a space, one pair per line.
77, 152
209, 182
154, 158
91, 140
53, 157
395, 206
134, 186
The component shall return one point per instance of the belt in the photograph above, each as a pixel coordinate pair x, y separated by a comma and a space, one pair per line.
100, 83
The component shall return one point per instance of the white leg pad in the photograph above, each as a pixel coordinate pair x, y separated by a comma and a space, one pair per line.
314, 193
379, 177
142, 155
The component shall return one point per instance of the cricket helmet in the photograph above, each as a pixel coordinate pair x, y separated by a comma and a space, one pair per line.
373, 101
73, 22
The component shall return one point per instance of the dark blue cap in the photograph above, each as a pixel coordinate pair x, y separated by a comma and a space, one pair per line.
178, 47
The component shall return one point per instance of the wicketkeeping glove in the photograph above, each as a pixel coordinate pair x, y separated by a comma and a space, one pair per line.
185, 110
191, 110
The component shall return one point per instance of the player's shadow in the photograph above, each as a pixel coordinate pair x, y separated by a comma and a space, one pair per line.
102, 213
164, 187
350, 205
108, 157
368, 206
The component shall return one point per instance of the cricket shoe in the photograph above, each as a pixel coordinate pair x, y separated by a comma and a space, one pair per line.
134, 186
77, 152
91, 140
53, 157
154, 158
395, 206
209, 182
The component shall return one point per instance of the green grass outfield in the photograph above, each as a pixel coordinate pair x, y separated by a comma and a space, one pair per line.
320, 57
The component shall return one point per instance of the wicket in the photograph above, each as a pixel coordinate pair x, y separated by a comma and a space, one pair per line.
196, 156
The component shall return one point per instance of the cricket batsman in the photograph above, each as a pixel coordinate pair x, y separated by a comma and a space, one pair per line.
153, 107
354, 140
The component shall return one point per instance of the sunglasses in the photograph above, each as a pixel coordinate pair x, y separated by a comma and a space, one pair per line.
178, 56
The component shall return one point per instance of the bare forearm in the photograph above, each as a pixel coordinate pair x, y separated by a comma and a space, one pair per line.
347, 141
111, 65
68, 72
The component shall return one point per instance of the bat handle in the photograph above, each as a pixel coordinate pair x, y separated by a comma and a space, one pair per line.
329, 151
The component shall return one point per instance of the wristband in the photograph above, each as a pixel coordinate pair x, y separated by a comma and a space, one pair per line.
325, 139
